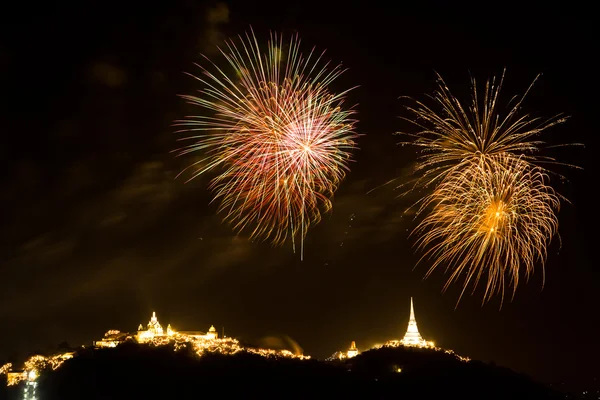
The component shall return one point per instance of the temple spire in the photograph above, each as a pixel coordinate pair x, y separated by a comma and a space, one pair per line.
412, 337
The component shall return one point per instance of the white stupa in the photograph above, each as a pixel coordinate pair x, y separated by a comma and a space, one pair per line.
412, 337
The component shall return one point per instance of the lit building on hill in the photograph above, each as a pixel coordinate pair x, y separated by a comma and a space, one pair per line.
211, 334
112, 338
154, 331
352, 351
202, 342
154, 328
412, 337
154, 335
342, 355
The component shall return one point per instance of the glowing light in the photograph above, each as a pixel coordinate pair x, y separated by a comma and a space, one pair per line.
204, 342
428, 345
30, 389
14, 378
343, 355
111, 339
490, 209
33, 367
5, 369
412, 337
352, 351
279, 139
37, 363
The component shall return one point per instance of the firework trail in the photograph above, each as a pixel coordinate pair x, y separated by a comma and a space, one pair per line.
279, 139
490, 210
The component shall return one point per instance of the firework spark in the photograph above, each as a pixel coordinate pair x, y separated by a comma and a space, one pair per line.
490, 209
279, 138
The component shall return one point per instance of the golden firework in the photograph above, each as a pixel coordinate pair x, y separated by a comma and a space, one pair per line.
449, 132
490, 210
490, 221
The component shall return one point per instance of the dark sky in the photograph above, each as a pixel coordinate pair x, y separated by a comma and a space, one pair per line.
96, 232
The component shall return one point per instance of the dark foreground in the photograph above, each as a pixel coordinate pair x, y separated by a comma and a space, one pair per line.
134, 371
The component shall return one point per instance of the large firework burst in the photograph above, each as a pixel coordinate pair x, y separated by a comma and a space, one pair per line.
490, 219
489, 209
280, 140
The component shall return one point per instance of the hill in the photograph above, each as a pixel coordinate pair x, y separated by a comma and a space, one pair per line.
135, 371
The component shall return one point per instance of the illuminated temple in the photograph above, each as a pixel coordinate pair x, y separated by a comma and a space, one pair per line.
412, 337
343, 355
352, 351
201, 342
154, 332
154, 335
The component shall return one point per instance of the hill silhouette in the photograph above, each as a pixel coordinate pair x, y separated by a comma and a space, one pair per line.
134, 371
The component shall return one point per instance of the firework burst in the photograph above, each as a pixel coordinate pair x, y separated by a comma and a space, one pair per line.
489, 219
490, 210
280, 140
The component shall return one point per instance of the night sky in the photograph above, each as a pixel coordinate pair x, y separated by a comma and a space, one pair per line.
96, 232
